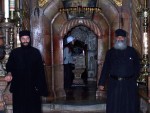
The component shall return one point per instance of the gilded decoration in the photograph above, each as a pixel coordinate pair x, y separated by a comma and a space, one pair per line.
42, 2
79, 8
118, 2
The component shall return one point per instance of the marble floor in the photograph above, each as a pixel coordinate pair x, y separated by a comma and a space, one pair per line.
81, 95
79, 99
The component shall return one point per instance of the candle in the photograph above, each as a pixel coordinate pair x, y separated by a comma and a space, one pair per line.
6, 8
12, 5
12, 9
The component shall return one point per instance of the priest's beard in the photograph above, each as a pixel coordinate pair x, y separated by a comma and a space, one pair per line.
25, 46
120, 44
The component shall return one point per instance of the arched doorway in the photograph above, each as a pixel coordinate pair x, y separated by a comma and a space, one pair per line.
87, 44
85, 52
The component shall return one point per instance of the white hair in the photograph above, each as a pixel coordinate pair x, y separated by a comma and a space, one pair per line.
120, 44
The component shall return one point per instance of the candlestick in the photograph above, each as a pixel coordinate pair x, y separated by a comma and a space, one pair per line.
6, 8
145, 60
6, 25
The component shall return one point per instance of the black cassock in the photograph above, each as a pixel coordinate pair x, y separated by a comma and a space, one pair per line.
28, 83
122, 95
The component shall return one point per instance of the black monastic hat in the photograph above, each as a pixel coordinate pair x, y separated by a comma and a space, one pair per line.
24, 33
120, 32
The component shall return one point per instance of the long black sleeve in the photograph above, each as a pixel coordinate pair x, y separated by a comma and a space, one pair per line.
41, 80
105, 70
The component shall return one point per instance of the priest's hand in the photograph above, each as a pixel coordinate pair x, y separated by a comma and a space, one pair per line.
101, 91
101, 88
8, 77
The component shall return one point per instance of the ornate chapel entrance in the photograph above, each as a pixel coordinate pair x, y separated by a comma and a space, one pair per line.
90, 45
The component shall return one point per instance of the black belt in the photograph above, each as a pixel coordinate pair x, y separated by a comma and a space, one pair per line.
121, 78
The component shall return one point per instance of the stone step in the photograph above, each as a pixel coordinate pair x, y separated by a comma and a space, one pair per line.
91, 105
97, 108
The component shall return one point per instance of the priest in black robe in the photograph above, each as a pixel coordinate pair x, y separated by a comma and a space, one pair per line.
121, 69
25, 72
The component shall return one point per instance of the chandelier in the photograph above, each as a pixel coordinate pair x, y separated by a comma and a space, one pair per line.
80, 12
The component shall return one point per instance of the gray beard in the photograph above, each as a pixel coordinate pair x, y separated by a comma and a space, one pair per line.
121, 45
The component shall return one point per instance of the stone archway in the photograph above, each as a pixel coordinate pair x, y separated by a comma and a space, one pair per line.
85, 22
